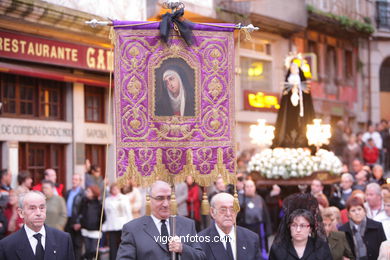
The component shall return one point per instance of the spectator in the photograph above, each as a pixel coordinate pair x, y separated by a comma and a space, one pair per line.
346, 188
374, 135
339, 139
50, 175
91, 209
24, 182
377, 172
385, 189
181, 194
374, 204
361, 180
364, 235
94, 178
256, 215
351, 152
384, 251
384, 217
299, 239
15, 222
344, 213
5, 180
370, 152
322, 201
316, 187
73, 198
219, 186
135, 198
117, 209
357, 166
55, 207
193, 201
337, 241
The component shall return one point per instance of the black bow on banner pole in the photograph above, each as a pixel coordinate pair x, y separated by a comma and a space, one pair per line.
176, 19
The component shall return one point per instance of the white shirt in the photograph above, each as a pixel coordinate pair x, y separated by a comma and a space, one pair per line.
158, 223
385, 220
232, 236
33, 241
375, 136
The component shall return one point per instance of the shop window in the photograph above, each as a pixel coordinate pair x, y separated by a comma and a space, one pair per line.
255, 74
32, 97
94, 104
96, 154
36, 157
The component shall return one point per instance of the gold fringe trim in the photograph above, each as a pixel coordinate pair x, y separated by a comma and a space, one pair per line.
236, 202
160, 172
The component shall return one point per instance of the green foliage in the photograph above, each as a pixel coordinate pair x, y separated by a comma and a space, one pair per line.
344, 21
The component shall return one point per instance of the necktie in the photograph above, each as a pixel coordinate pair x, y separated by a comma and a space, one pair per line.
39, 252
164, 232
229, 250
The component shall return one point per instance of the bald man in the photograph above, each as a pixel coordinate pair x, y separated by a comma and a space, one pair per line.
228, 241
145, 237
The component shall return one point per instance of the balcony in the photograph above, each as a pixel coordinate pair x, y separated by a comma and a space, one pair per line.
382, 16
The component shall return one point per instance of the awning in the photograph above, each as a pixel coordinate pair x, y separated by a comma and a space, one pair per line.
54, 74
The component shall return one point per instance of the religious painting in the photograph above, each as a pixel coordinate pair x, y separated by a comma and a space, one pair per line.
174, 88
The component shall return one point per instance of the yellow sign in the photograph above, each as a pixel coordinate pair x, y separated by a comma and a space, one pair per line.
259, 100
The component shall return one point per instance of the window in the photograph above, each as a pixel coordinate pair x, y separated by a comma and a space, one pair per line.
94, 104
97, 156
32, 97
36, 157
331, 66
348, 61
255, 74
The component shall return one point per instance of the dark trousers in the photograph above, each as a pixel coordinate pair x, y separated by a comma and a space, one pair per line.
90, 248
114, 239
77, 239
259, 229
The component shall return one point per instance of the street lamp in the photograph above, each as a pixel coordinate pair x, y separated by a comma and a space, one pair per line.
262, 134
318, 134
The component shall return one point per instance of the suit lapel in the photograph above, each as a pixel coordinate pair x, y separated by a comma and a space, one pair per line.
151, 229
50, 245
217, 248
241, 245
24, 249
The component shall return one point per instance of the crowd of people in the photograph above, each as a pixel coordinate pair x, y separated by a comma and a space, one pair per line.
347, 220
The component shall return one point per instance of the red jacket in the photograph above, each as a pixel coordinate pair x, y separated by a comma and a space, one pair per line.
370, 154
193, 201
59, 188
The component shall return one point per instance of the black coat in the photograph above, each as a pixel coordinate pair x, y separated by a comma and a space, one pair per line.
321, 251
248, 245
76, 206
90, 214
16, 246
373, 237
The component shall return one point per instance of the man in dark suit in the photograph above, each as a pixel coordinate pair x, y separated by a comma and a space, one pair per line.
223, 240
35, 240
143, 238
177, 97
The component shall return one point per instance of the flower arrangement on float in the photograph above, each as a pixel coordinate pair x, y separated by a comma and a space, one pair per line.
286, 163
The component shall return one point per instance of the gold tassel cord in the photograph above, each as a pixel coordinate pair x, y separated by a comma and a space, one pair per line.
148, 209
236, 202
205, 206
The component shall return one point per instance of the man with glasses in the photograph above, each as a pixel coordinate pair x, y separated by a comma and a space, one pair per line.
225, 241
35, 240
146, 237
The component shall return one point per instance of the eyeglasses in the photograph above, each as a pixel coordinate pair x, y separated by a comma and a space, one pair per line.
301, 226
161, 198
223, 211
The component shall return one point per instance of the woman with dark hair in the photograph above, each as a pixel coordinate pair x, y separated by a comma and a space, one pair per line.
364, 235
24, 181
300, 234
91, 208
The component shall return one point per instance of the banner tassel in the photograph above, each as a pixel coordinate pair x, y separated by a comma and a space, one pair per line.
205, 207
148, 209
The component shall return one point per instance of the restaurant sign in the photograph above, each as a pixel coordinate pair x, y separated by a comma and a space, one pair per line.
261, 101
37, 49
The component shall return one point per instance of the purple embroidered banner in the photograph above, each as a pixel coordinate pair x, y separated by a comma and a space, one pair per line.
174, 104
